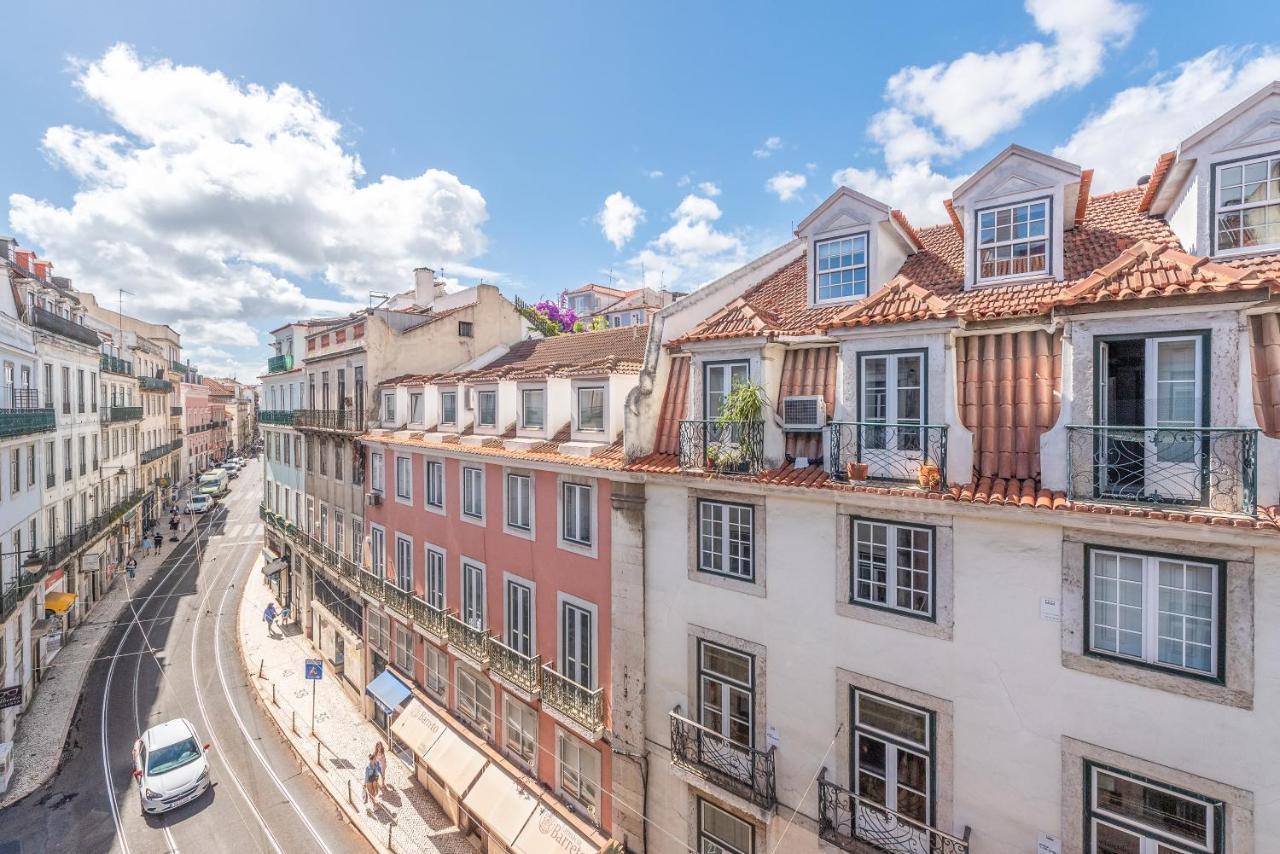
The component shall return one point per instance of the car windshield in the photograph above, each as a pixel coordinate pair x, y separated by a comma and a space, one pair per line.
172, 756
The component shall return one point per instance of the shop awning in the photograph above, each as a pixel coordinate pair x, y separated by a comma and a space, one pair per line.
455, 761
500, 803
548, 833
388, 691
417, 727
59, 603
273, 567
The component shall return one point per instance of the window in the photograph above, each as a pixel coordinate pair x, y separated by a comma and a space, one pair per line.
725, 538
15, 470
591, 409
487, 408
719, 380
519, 634
1012, 240
357, 537
403, 649
389, 406
1133, 814
840, 268
473, 492
338, 448
323, 456
31, 461
893, 566
519, 731
720, 832
1159, 610
435, 483
435, 579
404, 479
475, 700
519, 497
726, 695
576, 513
339, 530
473, 595
1247, 213
448, 407
375, 463
404, 563
577, 641
892, 751
377, 550
466, 329
379, 631
533, 408
579, 773
437, 670
415, 407
892, 394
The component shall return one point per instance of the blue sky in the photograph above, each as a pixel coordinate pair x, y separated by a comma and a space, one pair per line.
504, 128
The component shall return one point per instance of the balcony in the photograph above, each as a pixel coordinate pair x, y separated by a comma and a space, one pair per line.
514, 669
175, 411
158, 452
24, 416
855, 823
331, 420
398, 600
901, 451
119, 414
572, 703
48, 321
745, 771
155, 384
1207, 468
116, 365
276, 416
28, 577
276, 364
88, 532
467, 640
722, 447
371, 584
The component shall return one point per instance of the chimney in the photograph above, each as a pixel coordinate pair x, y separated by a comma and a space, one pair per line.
7, 247
424, 286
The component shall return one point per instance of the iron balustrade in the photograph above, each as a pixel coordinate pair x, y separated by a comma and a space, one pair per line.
397, 599
178, 367
431, 618
87, 532
854, 822
66, 474
159, 451
21, 586
336, 420
1213, 468
117, 414
276, 416
116, 365
23, 414
744, 770
471, 641
517, 668
371, 584
155, 384
42, 318
891, 451
579, 703
723, 447
284, 362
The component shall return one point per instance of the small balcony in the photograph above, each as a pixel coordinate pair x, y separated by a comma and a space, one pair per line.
515, 669
1190, 468
743, 770
328, 420
855, 823
119, 414
369, 583
48, 321
576, 704
24, 416
276, 364
276, 416
468, 640
116, 365
397, 599
722, 447
431, 618
156, 453
155, 384
902, 452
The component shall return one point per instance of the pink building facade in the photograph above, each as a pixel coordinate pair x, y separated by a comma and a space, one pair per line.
196, 418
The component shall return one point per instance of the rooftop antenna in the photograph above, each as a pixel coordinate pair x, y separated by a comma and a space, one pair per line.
610, 275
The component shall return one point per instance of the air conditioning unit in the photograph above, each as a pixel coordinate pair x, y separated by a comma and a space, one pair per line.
373, 499
808, 412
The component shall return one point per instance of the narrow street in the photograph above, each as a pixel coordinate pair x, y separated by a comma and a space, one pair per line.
173, 655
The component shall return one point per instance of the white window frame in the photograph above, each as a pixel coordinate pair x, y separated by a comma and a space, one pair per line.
449, 400
718, 845
377, 555
472, 476
402, 654
481, 395
474, 610
859, 525
570, 751
388, 407
580, 607
541, 391
435, 670
1045, 237
517, 512
514, 629
570, 522
519, 725
1272, 159
417, 407
1150, 837
604, 408
405, 482
377, 472
404, 562
859, 242
435, 577
433, 485
474, 698
895, 743
722, 537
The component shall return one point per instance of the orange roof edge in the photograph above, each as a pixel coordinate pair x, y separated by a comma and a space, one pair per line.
1158, 173
955, 220
1082, 203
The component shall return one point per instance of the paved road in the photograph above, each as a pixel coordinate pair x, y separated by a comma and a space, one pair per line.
262, 799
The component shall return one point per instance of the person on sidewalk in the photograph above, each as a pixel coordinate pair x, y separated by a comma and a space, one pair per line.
269, 615
131, 567
158, 539
380, 758
371, 779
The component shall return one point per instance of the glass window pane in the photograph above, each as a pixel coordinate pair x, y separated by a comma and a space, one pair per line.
1154, 808
893, 719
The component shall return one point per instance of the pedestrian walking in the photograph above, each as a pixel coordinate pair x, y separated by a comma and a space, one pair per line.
131, 567
380, 759
371, 779
158, 539
269, 615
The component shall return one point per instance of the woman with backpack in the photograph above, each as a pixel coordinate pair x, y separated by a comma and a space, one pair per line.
371, 779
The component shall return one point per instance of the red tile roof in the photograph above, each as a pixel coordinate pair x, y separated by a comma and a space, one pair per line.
1158, 173
609, 458
901, 219
1082, 202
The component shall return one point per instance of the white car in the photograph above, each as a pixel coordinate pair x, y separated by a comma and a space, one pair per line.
170, 766
198, 504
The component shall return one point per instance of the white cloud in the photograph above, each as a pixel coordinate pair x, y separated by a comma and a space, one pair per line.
683, 181
692, 251
1123, 140
618, 218
786, 185
709, 188
212, 200
768, 147
914, 188
656, 173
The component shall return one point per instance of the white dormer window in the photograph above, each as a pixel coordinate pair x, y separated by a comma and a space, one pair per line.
840, 268
487, 408
533, 408
448, 407
591, 409
1013, 241
1247, 211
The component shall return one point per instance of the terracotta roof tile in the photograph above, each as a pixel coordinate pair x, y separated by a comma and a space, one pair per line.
901, 219
608, 458
1082, 202
955, 219
1158, 173
1149, 269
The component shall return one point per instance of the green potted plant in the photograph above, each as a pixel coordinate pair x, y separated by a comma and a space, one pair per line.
728, 449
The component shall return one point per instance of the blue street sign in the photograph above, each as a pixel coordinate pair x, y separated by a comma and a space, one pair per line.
314, 668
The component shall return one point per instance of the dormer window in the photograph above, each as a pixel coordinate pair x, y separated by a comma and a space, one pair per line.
840, 268
1013, 241
591, 409
533, 408
1247, 214
487, 408
448, 407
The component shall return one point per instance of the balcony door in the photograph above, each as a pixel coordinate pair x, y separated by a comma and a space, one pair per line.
892, 769
1155, 387
718, 380
892, 387
576, 644
726, 701
520, 618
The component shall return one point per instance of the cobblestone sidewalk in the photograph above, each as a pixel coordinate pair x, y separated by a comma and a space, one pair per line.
404, 818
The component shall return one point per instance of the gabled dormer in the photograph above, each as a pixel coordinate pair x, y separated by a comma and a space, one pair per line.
855, 245
1013, 213
1220, 191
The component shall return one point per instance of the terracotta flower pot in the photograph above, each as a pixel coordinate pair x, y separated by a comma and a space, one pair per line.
929, 476
856, 471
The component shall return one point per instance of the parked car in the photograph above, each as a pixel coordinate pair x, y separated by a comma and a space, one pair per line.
230, 468
213, 483
170, 766
198, 504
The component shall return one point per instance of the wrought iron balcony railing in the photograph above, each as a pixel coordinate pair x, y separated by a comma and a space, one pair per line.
744, 770
723, 447
159, 451
397, 599
48, 321
284, 362
431, 618
855, 823
1212, 468
155, 384
471, 641
336, 420
276, 416
22, 584
515, 667
116, 365
24, 415
580, 704
371, 583
900, 451
117, 414
87, 532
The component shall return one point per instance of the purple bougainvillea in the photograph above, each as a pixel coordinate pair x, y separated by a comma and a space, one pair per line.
562, 317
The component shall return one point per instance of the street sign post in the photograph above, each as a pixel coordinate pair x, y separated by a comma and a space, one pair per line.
313, 670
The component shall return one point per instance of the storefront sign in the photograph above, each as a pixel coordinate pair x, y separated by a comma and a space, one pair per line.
10, 696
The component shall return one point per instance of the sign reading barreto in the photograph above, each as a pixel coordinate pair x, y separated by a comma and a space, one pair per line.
10, 696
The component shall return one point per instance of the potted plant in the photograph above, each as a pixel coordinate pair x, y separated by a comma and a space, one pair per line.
929, 476
730, 449
856, 471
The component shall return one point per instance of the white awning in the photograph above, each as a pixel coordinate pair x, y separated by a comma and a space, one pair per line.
417, 727
455, 762
500, 803
547, 833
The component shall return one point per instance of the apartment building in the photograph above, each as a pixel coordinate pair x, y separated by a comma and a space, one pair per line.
616, 307
964, 538
197, 422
